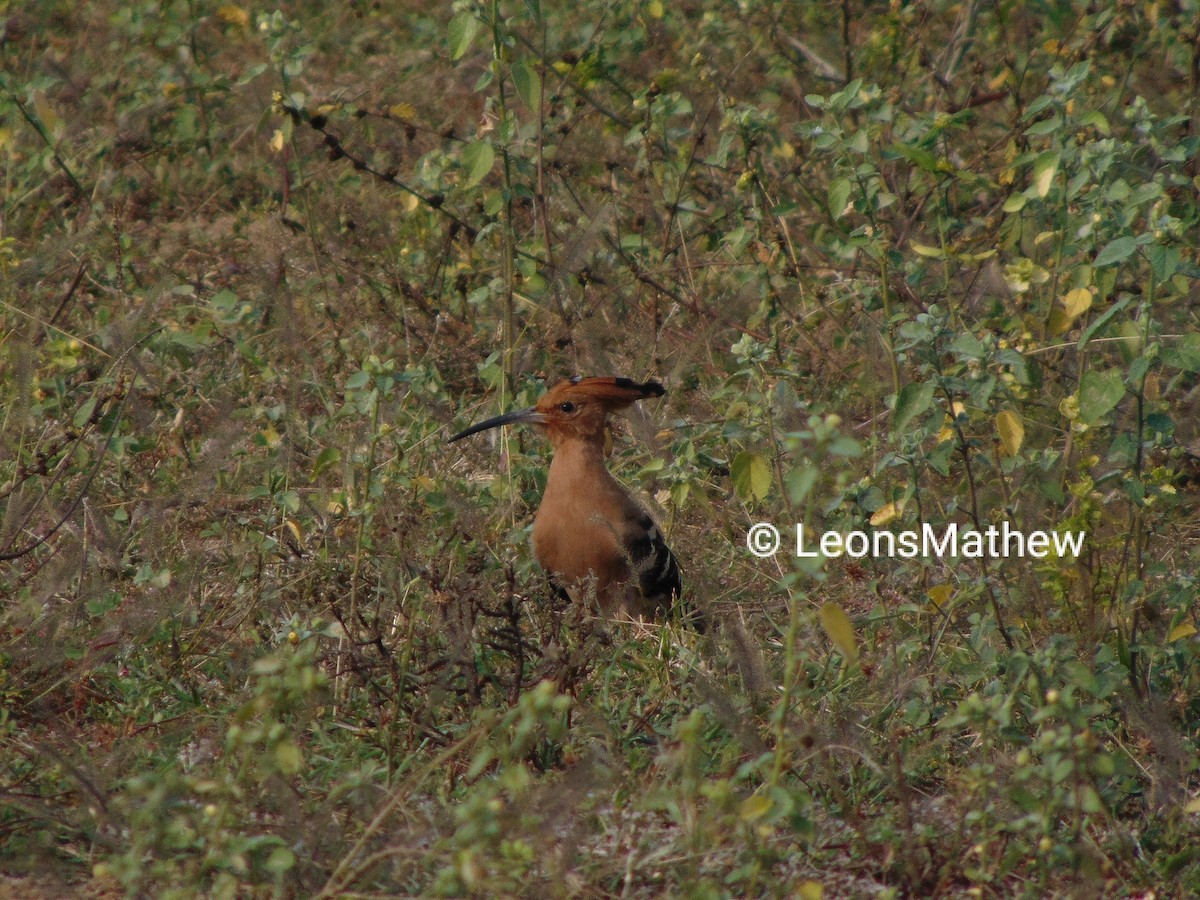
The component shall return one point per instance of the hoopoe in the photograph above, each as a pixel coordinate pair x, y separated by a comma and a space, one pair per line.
588, 526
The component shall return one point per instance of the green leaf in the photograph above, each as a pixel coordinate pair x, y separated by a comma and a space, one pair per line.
482, 760
799, 482
1095, 119
1100, 321
1038, 105
280, 861
968, 346
1183, 353
477, 159
460, 32
1015, 203
839, 194
1144, 193
1164, 261
85, 412
528, 83
1046, 126
1061, 768
325, 459
224, 300
914, 398
921, 158
1115, 251
751, 475
657, 464
1074, 76
1133, 342
842, 445
1099, 392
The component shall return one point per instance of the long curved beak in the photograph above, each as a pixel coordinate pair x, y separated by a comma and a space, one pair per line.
529, 414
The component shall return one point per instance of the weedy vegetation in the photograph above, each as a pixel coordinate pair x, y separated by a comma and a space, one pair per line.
263, 634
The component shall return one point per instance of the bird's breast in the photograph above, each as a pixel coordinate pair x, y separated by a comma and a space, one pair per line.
575, 542
580, 530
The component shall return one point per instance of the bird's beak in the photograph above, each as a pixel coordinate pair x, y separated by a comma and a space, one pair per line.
529, 414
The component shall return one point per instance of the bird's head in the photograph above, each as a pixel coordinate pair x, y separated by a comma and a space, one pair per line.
577, 408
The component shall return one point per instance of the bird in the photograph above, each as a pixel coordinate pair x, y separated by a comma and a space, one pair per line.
589, 532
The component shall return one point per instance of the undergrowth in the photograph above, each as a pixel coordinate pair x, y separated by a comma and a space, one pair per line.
900, 267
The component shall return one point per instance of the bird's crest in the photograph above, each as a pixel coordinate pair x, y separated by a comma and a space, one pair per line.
612, 391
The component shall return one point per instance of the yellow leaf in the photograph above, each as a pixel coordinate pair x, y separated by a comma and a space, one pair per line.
288, 757
1182, 630
1193, 806
404, 111
754, 807
948, 433
1069, 407
809, 890
233, 15
1073, 305
1011, 430
939, 594
1043, 179
840, 630
277, 141
655, 9
886, 513
294, 527
52, 120
926, 250
1077, 302
995, 83
751, 475
1059, 323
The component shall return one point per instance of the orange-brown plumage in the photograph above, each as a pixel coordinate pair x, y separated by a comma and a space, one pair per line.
588, 529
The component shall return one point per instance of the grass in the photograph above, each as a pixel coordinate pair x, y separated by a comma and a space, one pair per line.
264, 634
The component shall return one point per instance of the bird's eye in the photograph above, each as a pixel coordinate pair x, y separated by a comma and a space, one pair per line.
567, 407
